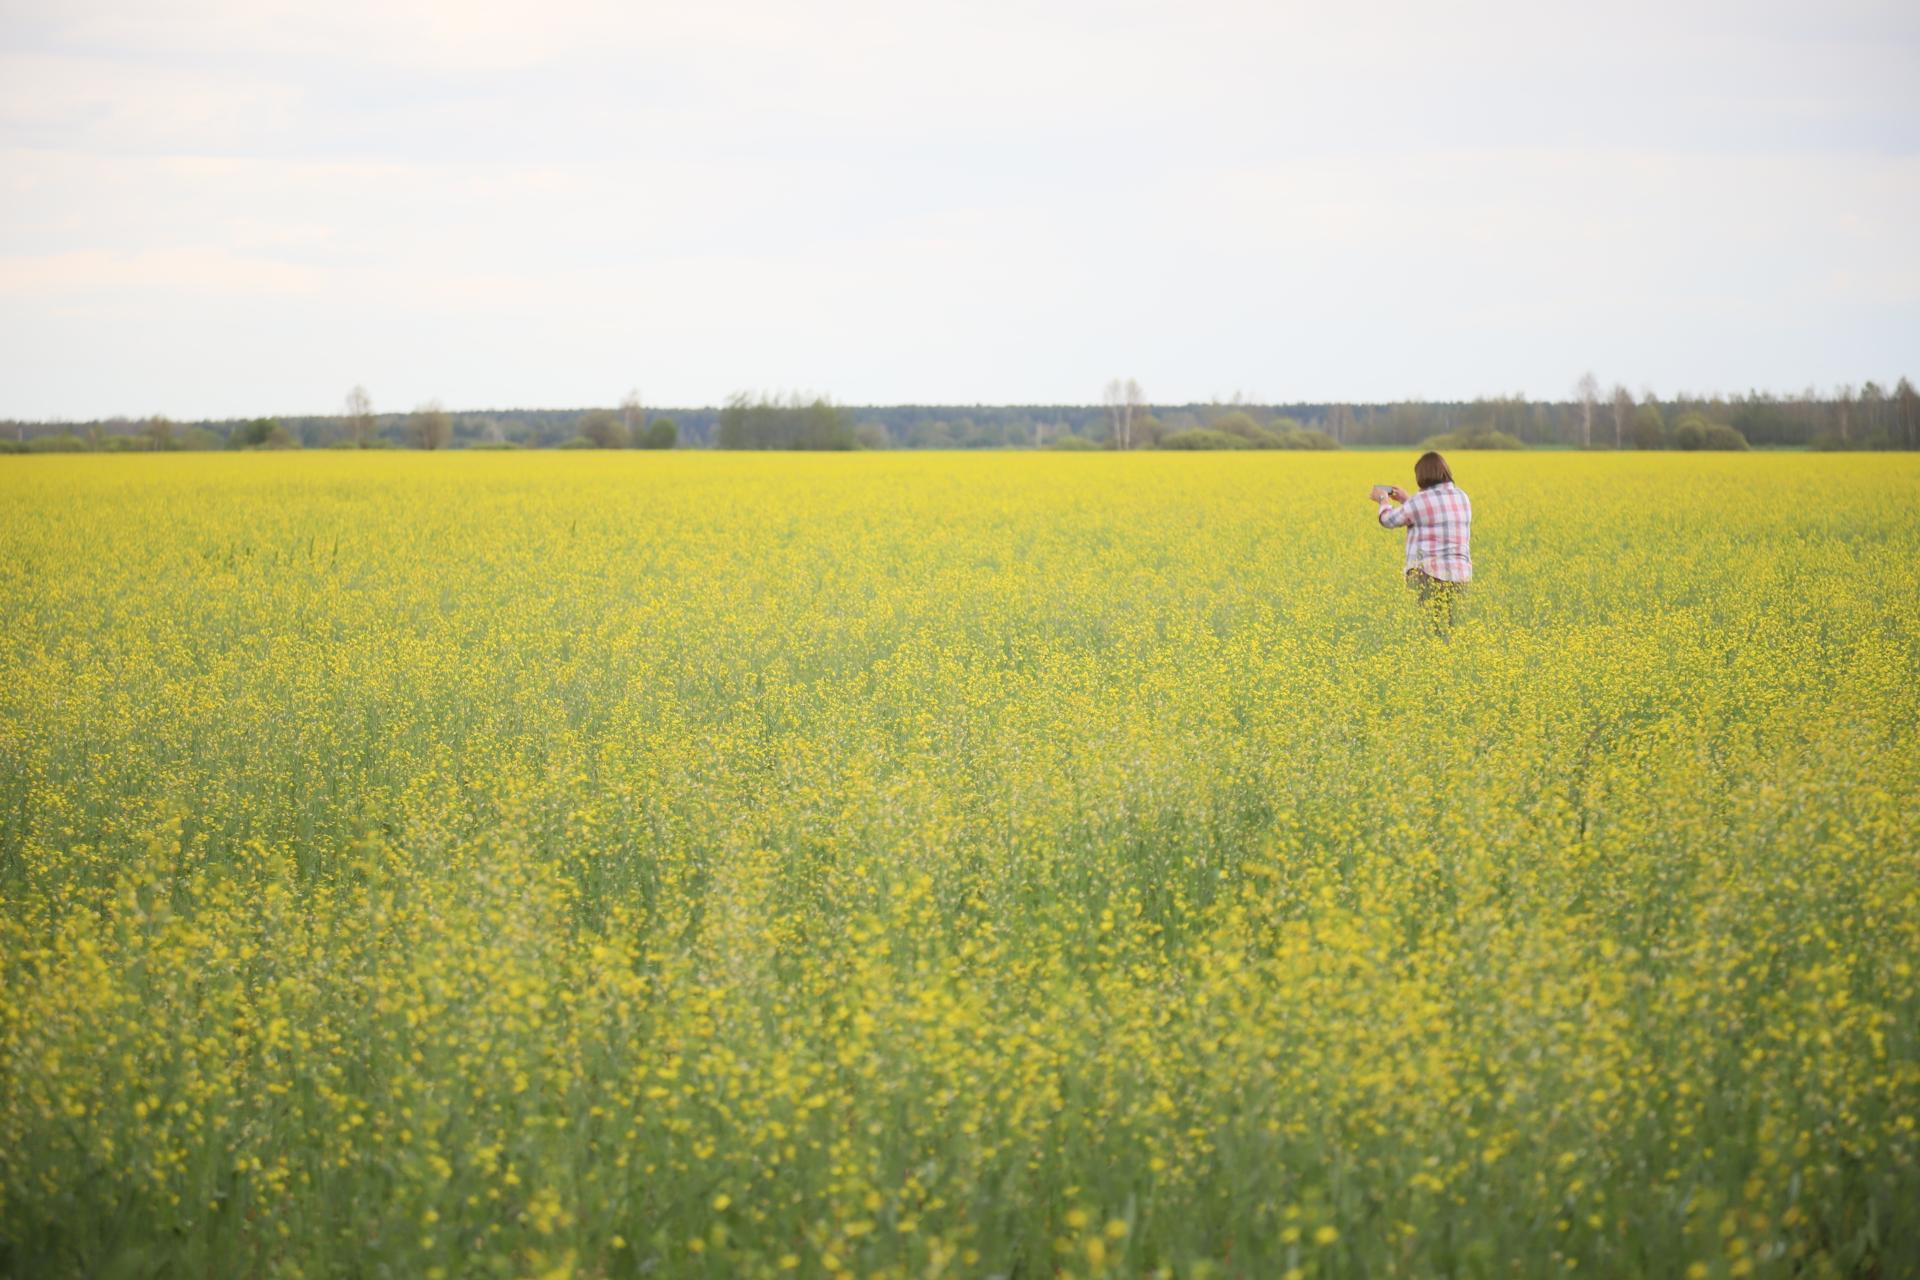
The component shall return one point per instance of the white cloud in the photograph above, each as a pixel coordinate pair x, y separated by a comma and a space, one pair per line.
991, 201
110, 106
171, 272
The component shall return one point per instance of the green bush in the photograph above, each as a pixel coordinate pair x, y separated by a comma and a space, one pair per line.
764, 422
1239, 424
252, 435
1072, 444
1695, 432
1307, 438
578, 442
1203, 438
661, 433
494, 446
1261, 439
1281, 433
1470, 438
57, 444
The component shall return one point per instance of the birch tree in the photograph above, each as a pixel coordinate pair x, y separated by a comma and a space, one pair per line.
431, 426
1622, 415
1123, 399
634, 415
1588, 389
359, 417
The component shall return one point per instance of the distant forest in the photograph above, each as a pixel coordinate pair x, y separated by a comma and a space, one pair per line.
1868, 417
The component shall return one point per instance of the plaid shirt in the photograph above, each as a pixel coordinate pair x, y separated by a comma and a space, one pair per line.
1437, 522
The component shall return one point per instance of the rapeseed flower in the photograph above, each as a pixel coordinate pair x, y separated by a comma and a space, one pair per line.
955, 865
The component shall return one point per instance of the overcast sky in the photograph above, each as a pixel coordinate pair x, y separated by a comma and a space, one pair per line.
236, 207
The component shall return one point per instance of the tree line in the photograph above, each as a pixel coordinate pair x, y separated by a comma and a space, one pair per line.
1867, 416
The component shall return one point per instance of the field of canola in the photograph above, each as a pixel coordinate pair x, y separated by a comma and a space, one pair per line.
1034, 866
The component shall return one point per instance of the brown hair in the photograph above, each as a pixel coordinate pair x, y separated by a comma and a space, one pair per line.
1432, 469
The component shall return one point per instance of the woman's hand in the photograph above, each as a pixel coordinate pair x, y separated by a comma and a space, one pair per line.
1395, 492
1377, 494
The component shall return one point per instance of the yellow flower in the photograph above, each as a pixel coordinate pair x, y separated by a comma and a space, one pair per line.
512, 843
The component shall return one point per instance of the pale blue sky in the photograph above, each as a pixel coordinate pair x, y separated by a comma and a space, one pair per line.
227, 207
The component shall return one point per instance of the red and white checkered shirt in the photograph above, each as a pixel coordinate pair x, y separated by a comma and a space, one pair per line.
1438, 522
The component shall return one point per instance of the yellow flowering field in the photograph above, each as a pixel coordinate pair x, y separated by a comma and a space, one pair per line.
1021, 865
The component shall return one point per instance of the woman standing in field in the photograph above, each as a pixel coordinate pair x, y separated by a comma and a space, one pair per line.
1438, 521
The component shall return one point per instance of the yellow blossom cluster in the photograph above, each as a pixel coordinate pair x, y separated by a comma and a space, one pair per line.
1040, 865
